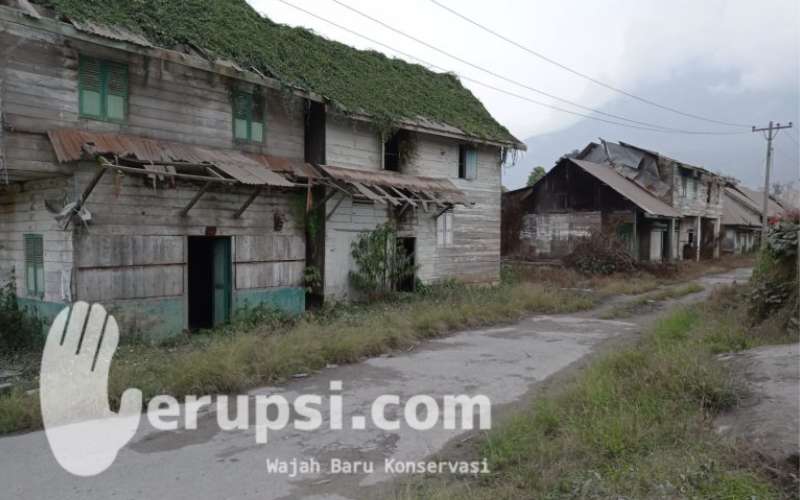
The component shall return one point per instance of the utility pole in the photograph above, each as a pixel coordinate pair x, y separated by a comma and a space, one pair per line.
771, 133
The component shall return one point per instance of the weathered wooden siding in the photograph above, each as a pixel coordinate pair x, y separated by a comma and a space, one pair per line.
39, 92
133, 256
22, 211
356, 145
474, 255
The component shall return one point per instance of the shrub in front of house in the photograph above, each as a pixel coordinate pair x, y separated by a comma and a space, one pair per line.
20, 328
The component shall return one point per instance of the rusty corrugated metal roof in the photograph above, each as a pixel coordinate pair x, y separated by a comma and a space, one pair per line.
440, 189
627, 188
384, 177
69, 146
295, 168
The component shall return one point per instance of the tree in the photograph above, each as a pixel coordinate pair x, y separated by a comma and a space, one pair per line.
536, 174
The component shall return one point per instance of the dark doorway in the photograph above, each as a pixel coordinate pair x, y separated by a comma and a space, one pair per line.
209, 272
408, 247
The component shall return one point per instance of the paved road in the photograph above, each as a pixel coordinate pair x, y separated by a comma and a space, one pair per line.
502, 363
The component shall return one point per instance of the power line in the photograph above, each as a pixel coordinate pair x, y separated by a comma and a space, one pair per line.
583, 75
509, 80
493, 87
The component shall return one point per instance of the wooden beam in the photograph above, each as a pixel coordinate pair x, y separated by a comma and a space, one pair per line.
194, 200
247, 203
404, 197
189, 177
338, 202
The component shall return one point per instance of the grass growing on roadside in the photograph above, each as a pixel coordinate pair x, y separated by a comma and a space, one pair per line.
631, 308
635, 424
266, 349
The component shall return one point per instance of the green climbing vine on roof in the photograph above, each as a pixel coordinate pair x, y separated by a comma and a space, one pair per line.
356, 81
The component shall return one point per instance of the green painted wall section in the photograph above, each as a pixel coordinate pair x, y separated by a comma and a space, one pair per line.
159, 319
291, 300
149, 319
46, 311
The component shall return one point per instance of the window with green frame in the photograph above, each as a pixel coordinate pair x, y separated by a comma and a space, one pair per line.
248, 117
102, 89
34, 265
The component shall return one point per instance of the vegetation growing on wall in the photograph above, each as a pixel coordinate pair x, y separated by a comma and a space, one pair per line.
353, 80
20, 329
380, 263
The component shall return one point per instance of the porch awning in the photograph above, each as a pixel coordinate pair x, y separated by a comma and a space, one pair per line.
392, 188
165, 158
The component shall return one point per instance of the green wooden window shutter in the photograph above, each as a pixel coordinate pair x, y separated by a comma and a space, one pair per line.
117, 91
248, 117
90, 83
34, 265
103, 89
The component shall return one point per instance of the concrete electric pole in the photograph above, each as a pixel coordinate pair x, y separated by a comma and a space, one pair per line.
771, 133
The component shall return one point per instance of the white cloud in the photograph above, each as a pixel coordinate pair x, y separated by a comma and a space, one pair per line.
627, 43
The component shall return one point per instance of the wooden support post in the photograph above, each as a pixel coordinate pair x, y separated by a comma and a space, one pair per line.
698, 238
247, 203
194, 200
324, 200
673, 244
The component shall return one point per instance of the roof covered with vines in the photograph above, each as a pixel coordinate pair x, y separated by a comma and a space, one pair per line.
389, 90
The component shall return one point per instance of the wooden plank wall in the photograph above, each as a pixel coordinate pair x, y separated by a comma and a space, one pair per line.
136, 245
355, 145
134, 251
166, 101
22, 211
474, 255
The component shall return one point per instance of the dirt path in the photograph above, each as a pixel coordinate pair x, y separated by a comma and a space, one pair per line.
508, 364
767, 421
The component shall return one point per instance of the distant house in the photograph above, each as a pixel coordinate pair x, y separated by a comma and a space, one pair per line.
742, 217
177, 176
665, 209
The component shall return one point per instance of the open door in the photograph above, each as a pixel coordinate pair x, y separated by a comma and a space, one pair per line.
209, 272
222, 280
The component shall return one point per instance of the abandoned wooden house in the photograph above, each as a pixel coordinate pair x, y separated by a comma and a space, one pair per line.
742, 218
664, 209
177, 177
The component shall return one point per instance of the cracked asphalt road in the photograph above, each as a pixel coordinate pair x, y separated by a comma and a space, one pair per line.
503, 363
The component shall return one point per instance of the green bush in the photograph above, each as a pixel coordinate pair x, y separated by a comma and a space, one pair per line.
381, 264
775, 279
20, 328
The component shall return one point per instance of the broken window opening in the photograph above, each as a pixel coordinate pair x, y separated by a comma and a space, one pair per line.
467, 162
391, 152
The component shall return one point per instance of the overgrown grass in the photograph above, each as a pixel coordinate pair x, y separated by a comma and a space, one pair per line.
635, 424
264, 347
650, 300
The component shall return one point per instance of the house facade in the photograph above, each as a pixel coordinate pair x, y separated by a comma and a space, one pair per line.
663, 208
742, 218
177, 186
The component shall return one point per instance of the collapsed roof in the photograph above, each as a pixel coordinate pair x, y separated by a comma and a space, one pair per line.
390, 91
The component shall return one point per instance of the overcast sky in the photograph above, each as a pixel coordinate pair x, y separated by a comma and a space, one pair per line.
733, 60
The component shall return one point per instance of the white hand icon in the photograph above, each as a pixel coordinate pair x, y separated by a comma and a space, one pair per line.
84, 434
